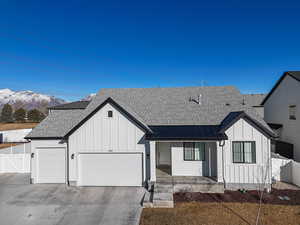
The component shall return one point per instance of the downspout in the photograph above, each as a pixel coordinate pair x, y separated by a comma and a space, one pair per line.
31, 159
221, 144
67, 163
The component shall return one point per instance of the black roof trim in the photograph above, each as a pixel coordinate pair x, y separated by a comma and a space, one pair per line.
111, 101
275, 126
290, 73
233, 117
43, 138
71, 105
186, 139
186, 132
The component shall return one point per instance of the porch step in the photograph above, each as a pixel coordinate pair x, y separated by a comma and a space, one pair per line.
204, 188
163, 196
160, 197
163, 200
163, 188
148, 200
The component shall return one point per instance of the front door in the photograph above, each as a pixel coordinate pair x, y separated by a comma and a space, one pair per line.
163, 154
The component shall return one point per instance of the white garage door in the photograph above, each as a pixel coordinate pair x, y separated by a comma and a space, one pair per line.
110, 169
51, 165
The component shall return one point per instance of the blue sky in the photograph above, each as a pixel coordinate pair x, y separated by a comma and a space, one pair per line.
73, 48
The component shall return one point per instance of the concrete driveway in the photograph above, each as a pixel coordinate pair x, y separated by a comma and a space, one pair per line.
22, 203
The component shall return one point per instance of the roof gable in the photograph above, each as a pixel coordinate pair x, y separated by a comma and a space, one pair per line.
293, 74
118, 106
233, 117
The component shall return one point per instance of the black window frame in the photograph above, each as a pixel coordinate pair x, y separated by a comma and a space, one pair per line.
110, 114
243, 153
292, 107
193, 152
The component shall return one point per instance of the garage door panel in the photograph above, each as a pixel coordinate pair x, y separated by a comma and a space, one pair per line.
111, 169
51, 165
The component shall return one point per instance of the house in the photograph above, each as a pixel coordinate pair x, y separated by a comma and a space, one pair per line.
129, 136
282, 111
14, 136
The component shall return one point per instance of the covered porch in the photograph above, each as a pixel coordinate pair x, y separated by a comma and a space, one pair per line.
163, 175
186, 166
196, 161
193, 152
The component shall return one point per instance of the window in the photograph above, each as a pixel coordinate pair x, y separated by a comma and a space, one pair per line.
243, 152
110, 113
292, 112
194, 151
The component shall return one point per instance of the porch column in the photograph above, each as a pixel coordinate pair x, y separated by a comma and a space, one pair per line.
220, 162
152, 161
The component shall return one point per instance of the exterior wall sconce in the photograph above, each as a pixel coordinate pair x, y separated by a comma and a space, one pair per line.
72, 156
32, 155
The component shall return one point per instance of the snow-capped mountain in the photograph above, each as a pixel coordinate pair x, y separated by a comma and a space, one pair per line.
89, 97
27, 99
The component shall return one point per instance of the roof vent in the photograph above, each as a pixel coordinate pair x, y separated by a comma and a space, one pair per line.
243, 103
197, 100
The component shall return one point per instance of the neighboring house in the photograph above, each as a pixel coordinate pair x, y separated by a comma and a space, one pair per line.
282, 110
69, 106
255, 101
126, 137
12, 136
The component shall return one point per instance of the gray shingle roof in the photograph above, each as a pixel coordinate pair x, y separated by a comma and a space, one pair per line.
172, 106
254, 99
56, 124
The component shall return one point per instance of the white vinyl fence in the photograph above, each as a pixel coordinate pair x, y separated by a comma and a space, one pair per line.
286, 170
15, 159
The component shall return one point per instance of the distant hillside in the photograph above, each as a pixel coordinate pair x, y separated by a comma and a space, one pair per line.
28, 100
89, 97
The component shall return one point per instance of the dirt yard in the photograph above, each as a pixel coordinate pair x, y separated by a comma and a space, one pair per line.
232, 208
200, 213
248, 197
15, 126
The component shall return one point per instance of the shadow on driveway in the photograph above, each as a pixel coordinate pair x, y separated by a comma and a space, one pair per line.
48, 204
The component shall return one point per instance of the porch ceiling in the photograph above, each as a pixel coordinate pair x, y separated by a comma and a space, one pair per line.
198, 132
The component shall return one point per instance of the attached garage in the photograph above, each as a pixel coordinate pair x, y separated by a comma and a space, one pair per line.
110, 169
51, 165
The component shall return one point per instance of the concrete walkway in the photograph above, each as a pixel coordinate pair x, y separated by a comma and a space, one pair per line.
22, 203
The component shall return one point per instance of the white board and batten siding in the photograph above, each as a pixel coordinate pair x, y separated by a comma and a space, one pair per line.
103, 134
180, 167
241, 173
48, 164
